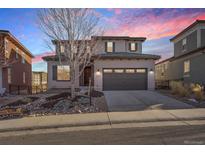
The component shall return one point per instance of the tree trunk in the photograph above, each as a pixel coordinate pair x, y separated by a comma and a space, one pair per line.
72, 91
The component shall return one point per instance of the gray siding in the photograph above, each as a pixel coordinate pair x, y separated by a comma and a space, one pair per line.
120, 46
192, 41
197, 73
191, 44
178, 48
176, 70
202, 37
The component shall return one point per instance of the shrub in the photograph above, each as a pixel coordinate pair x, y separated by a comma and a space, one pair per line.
199, 95
198, 91
178, 88
174, 87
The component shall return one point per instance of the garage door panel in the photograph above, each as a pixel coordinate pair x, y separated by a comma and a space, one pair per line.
125, 81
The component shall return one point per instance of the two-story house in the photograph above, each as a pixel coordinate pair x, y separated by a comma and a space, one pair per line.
117, 64
188, 62
15, 63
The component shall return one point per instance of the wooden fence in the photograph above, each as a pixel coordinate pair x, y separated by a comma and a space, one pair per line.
39, 88
19, 89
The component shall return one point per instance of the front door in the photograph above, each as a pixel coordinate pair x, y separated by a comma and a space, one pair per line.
87, 75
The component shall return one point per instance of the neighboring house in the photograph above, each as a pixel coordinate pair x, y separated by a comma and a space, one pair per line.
188, 62
117, 64
15, 64
39, 81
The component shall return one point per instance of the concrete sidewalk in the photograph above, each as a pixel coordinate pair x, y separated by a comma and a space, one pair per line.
110, 118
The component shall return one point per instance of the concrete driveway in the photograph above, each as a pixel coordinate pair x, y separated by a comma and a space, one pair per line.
141, 100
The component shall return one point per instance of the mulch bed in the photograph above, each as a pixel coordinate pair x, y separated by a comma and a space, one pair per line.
59, 103
57, 96
21, 102
95, 93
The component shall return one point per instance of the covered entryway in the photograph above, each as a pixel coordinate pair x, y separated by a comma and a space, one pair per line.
124, 79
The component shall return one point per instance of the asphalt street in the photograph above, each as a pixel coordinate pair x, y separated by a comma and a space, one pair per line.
149, 135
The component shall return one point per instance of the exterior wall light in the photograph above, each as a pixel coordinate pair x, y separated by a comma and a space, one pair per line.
151, 71
98, 72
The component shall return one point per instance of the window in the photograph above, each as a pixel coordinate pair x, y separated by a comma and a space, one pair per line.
140, 70
7, 54
63, 72
107, 70
9, 75
130, 70
17, 53
62, 49
6, 44
23, 57
109, 47
184, 44
186, 66
133, 46
118, 70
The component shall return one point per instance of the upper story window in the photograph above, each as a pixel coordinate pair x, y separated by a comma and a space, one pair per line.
110, 46
23, 58
133, 46
17, 53
187, 66
6, 49
184, 44
6, 44
62, 48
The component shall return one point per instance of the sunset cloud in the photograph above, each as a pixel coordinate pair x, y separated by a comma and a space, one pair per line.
152, 23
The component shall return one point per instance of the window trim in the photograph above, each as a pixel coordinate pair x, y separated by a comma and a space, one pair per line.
23, 56
137, 70
130, 46
17, 53
189, 64
6, 44
111, 70
130, 69
113, 44
9, 76
57, 74
123, 70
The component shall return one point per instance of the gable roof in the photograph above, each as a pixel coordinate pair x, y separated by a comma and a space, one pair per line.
126, 55
7, 33
188, 28
119, 38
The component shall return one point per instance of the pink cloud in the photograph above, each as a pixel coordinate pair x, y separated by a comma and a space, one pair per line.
116, 11
151, 25
38, 58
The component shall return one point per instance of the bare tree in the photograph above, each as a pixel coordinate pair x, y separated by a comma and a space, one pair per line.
72, 29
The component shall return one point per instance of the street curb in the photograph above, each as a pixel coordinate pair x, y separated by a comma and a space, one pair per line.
97, 124
53, 126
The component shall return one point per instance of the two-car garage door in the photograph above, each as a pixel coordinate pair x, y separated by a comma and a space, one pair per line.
124, 79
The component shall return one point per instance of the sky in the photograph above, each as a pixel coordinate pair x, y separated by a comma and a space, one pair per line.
157, 25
